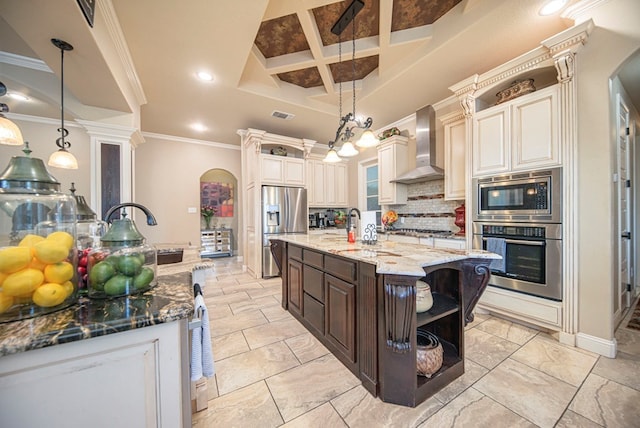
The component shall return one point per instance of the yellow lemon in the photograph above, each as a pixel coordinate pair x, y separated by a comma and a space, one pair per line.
50, 251
2, 277
21, 300
30, 240
58, 272
68, 288
5, 302
62, 238
37, 264
13, 259
49, 294
22, 282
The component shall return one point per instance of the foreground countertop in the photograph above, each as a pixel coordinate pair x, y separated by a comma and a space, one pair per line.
389, 257
170, 300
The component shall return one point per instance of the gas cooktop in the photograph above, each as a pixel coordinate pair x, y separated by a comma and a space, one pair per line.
431, 232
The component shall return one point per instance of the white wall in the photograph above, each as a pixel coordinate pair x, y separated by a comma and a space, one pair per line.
615, 38
41, 135
167, 181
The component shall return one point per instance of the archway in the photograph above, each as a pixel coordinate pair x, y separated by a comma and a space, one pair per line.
218, 192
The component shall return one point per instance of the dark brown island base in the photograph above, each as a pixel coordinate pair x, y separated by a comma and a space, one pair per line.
360, 302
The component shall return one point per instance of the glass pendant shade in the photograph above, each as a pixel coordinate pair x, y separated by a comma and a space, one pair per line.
63, 159
347, 150
10, 134
331, 156
367, 139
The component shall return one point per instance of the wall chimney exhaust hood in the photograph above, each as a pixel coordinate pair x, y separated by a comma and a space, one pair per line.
426, 169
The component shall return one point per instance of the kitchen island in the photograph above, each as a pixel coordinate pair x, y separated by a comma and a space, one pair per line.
112, 362
360, 301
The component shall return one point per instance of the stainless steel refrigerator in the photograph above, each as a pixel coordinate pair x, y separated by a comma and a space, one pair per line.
284, 211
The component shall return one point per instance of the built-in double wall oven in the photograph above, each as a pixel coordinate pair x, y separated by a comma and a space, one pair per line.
519, 216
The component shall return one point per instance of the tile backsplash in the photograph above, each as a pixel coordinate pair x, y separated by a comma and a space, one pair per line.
426, 208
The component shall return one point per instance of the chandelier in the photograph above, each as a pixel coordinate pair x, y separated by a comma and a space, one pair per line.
349, 123
10, 134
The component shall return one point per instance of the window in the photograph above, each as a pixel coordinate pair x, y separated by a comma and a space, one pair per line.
371, 191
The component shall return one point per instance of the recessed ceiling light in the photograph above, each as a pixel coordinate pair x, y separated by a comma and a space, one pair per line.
551, 7
198, 127
203, 75
17, 96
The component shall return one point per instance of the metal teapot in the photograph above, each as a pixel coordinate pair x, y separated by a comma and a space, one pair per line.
123, 232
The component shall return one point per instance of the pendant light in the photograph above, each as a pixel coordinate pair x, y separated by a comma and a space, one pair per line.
62, 158
10, 134
349, 122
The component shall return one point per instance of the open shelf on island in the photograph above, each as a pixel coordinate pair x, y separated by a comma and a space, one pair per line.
442, 306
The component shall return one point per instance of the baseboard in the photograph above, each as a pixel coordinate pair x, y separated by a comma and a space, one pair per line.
607, 348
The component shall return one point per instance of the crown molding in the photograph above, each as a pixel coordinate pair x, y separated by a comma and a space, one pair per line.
24, 62
190, 141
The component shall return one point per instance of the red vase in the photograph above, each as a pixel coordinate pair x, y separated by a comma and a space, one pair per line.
460, 221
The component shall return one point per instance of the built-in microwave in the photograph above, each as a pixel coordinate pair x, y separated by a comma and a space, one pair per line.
534, 196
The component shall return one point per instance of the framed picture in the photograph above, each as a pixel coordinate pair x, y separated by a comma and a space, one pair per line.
218, 195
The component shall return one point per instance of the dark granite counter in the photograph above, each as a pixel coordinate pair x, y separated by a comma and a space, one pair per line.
170, 300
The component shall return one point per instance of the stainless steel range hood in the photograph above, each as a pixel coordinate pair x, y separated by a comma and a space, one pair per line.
426, 168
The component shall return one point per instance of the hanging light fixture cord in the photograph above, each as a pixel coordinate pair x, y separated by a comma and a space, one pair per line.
63, 46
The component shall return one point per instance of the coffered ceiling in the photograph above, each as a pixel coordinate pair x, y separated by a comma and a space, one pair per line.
266, 56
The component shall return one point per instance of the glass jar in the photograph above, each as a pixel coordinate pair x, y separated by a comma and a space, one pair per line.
38, 256
124, 264
89, 231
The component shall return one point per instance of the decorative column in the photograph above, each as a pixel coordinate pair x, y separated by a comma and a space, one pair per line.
563, 52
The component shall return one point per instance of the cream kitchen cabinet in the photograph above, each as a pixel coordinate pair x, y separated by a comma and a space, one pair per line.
535, 130
455, 141
521, 134
392, 161
281, 170
326, 184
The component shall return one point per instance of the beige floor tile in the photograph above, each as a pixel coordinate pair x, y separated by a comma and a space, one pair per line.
242, 287
324, 416
308, 386
507, 330
472, 372
248, 407
532, 394
607, 403
478, 318
306, 347
552, 358
275, 313
272, 332
275, 291
229, 345
362, 410
227, 299
253, 304
628, 340
249, 367
236, 322
624, 369
473, 409
573, 420
486, 349
218, 311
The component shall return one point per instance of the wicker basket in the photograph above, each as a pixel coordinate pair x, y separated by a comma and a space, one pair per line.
429, 353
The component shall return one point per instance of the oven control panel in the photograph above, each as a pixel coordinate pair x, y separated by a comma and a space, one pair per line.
520, 231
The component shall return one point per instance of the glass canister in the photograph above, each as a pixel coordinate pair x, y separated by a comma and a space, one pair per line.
89, 230
124, 264
38, 257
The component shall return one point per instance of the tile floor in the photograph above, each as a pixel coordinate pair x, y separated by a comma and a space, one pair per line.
271, 372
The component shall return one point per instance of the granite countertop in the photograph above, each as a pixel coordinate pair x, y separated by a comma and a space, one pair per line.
388, 256
170, 300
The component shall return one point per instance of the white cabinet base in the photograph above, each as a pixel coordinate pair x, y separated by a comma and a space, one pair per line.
136, 378
533, 310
